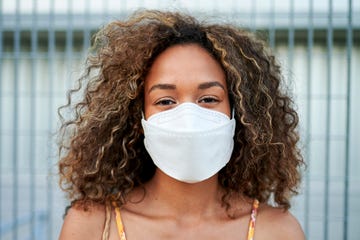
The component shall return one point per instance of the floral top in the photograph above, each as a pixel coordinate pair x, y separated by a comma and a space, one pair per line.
250, 235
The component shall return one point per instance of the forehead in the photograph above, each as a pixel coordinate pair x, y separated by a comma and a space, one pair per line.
183, 63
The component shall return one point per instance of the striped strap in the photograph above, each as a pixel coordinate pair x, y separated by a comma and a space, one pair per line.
252, 221
119, 223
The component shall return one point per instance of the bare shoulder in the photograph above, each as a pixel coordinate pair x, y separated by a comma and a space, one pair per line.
81, 223
276, 223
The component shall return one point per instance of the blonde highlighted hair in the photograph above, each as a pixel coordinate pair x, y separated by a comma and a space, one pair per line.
102, 155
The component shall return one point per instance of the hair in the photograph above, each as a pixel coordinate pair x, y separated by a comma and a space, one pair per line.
101, 149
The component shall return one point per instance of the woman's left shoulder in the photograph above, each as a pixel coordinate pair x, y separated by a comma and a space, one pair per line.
277, 223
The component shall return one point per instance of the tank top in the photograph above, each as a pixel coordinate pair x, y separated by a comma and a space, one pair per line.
251, 228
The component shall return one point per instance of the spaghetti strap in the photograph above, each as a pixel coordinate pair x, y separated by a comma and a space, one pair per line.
252, 220
119, 224
250, 235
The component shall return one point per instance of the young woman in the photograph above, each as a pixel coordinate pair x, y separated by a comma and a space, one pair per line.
184, 132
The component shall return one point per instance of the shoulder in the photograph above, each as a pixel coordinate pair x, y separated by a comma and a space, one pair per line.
80, 223
276, 223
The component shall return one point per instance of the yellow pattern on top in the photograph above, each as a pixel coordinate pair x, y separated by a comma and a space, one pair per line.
119, 223
252, 221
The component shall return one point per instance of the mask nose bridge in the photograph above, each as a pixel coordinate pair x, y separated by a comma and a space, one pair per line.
189, 119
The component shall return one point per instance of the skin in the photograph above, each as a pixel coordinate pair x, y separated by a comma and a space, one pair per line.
175, 210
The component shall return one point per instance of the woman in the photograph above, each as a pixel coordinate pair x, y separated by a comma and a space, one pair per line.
184, 132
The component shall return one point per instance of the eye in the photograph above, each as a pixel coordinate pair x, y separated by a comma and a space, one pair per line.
165, 102
208, 99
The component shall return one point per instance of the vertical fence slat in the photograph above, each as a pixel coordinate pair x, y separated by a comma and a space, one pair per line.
105, 10
310, 42
69, 40
16, 121
86, 32
51, 62
1, 101
33, 113
272, 25
349, 45
329, 48
253, 16
291, 36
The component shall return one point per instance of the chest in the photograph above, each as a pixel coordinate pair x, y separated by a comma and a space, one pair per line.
137, 228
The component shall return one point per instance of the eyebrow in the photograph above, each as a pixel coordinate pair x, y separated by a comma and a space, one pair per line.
202, 86
206, 85
163, 86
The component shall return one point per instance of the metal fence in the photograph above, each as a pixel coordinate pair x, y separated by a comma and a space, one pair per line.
42, 47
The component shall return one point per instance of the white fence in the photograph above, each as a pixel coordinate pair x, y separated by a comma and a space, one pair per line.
42, 46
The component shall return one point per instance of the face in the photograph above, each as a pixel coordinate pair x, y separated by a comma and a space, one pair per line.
185, 73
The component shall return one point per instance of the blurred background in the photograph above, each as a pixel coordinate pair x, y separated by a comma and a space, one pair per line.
43, 45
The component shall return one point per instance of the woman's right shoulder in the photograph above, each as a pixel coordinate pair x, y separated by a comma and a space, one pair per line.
277, 223
83, 222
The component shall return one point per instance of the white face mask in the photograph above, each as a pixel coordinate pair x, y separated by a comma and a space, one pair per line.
189, 143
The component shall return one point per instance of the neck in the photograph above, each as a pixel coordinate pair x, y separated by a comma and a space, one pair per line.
198, 199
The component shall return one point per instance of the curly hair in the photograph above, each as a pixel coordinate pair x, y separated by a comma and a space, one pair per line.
101, 149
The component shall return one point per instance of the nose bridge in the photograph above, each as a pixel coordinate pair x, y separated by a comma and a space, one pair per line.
187, 93
187, 100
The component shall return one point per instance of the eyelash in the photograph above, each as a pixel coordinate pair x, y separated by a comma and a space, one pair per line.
208, 99
165, 102
204, 100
